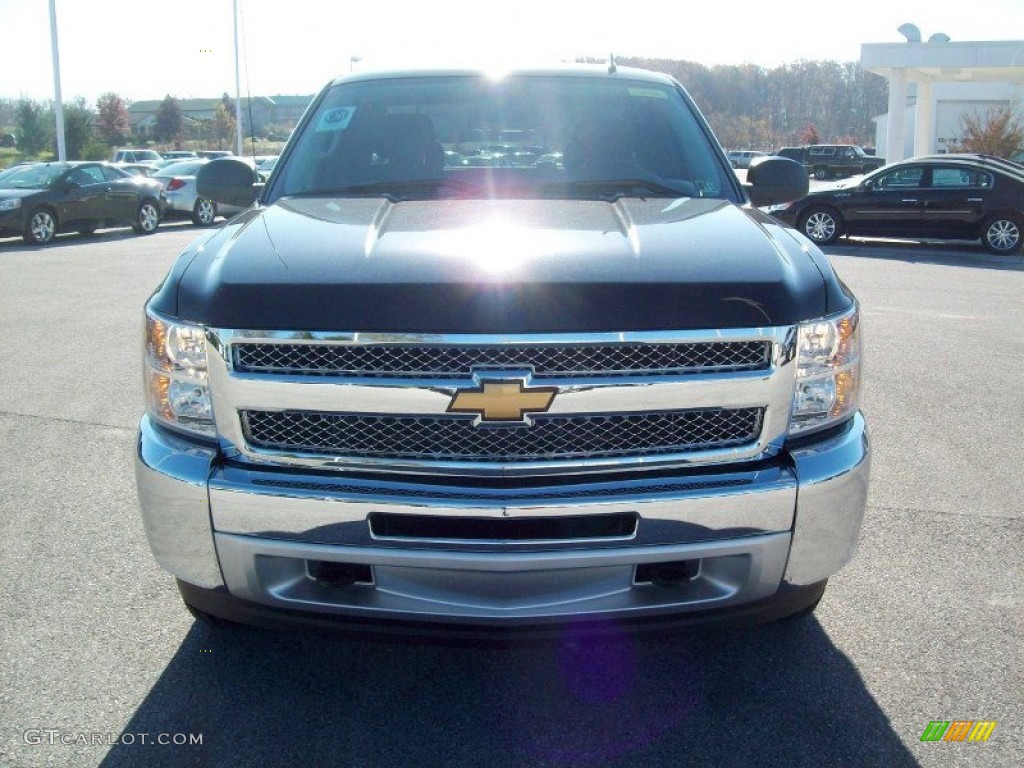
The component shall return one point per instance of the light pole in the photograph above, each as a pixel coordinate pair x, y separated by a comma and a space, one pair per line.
238, 90
58, 104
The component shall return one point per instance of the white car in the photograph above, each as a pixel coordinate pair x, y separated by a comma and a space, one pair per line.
135, 156
179, 182
740, 158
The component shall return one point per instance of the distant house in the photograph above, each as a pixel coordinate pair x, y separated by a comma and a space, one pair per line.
262, 111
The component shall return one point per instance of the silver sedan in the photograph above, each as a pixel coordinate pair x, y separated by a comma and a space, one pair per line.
179, 182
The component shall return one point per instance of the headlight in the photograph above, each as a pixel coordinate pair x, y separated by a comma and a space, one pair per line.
828, 372
10, 204
175, 374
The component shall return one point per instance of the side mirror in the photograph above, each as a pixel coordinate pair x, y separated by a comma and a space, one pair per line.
774, 180
227, 181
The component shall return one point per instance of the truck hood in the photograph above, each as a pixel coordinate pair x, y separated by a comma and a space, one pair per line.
472, 266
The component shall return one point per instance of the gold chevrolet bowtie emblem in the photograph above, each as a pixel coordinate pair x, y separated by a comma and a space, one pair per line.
503, 401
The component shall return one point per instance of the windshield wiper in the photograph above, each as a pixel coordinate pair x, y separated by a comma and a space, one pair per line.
613, 189
393, 190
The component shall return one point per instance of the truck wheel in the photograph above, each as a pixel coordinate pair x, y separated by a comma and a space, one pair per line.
821, 173
41, 227
209, 619
807, 610
1001, 234
204, 212
822, 225
147, 219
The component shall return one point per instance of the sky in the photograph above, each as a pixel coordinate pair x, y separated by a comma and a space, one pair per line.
185, 48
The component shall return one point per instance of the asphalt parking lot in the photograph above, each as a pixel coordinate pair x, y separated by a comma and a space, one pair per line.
101, 663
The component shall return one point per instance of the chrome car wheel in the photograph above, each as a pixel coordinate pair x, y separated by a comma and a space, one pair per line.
821, 226
1002, 235
42, 227
204, 212
148, 219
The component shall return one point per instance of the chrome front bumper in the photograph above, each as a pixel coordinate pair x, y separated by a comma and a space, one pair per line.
258, 532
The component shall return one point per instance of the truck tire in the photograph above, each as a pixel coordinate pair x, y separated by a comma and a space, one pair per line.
807, 610
821, 173
209, 619
821, 224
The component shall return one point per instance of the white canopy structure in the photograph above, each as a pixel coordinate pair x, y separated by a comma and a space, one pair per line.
983, 74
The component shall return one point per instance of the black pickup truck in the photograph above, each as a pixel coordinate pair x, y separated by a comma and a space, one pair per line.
580, 384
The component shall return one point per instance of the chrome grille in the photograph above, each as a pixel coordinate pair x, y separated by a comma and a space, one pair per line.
545, 360
454, 438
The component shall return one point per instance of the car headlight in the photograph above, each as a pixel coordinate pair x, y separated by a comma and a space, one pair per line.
177, 392
828, 372
10, 204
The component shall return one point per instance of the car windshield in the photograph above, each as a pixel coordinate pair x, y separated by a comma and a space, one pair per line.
39, 176
525, 136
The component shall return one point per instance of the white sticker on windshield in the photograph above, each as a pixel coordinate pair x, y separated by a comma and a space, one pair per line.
335, 119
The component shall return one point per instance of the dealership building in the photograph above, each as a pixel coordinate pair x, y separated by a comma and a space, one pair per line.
933, 84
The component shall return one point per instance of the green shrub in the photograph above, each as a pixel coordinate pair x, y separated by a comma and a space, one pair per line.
96, 150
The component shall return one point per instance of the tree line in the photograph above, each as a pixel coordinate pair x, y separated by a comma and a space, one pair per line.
748, 107
90, 132
804, 102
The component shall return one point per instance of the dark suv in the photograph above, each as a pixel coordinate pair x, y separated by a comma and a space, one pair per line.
828, 161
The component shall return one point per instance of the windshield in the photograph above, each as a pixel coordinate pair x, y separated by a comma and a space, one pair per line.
39, 176
532, 136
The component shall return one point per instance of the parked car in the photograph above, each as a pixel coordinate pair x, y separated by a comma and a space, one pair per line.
798, 154
138, 169
149, 156
37, 201
827, 161
212, 154
740, 158
945, 197
179, 184
179, 154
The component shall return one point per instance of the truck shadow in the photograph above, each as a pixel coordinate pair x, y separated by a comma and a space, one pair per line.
778, 694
